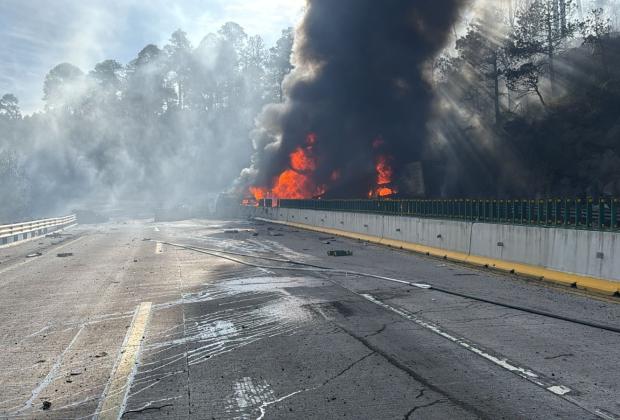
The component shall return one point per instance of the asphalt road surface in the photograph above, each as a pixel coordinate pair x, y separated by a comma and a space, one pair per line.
153, 320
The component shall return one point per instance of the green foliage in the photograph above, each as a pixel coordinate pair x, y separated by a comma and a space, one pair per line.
280, 63
60, 84
9, 107
559, 95
14, 189
172, 125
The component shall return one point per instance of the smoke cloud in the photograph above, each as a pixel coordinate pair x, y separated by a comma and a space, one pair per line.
167, 130
360, 88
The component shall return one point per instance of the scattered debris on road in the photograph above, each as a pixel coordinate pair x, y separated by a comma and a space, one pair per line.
102, 354
75, 372
339, 253
34, 254
275, 234
46, 405
65, 254
231, 231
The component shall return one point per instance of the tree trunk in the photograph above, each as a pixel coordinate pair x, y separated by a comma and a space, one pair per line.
556, 15
511, 13
496, 89
550, 50
563, 17
540, 97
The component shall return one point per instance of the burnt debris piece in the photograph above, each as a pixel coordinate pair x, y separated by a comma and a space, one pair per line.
339, 253
64, 254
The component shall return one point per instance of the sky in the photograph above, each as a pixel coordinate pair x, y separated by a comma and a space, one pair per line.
36, 35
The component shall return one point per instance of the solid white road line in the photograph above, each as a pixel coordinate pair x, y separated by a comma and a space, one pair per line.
557, 389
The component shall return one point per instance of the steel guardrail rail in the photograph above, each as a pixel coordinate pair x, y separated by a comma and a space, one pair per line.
6, 231
578, 213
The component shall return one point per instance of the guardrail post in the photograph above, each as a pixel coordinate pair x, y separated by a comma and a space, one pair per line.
578, 213
602, 214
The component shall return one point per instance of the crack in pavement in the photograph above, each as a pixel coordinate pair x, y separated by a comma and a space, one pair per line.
348, 368
410, 372
187, 368
559, 355
264, 405
147, 408
379, 331
417, 407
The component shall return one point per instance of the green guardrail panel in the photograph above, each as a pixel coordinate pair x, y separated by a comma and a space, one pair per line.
600, 214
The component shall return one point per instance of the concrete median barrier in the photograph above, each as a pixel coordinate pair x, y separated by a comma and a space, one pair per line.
584, 259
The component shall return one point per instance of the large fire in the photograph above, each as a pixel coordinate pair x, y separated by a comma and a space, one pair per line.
295, 182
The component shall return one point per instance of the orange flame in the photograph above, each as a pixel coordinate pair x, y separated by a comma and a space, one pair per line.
295, 182
301, 161
384, 171
384, 178
259, 193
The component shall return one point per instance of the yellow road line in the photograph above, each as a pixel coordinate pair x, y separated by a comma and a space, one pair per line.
591, 284
115, 394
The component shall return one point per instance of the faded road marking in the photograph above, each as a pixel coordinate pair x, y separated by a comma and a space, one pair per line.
51, 376
156, 229
559, 390
522, 372
115, 395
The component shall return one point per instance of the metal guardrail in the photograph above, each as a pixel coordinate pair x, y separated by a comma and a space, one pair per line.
588, 214
12, 233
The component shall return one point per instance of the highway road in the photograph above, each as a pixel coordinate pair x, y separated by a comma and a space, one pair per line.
208, 319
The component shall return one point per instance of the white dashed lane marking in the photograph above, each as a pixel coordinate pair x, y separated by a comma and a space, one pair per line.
527, 374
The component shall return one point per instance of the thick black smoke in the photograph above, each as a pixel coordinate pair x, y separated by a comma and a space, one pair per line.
359, 77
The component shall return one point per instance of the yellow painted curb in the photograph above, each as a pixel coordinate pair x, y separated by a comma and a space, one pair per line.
593, 284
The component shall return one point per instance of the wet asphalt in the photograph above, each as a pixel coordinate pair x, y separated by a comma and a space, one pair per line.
275, 340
